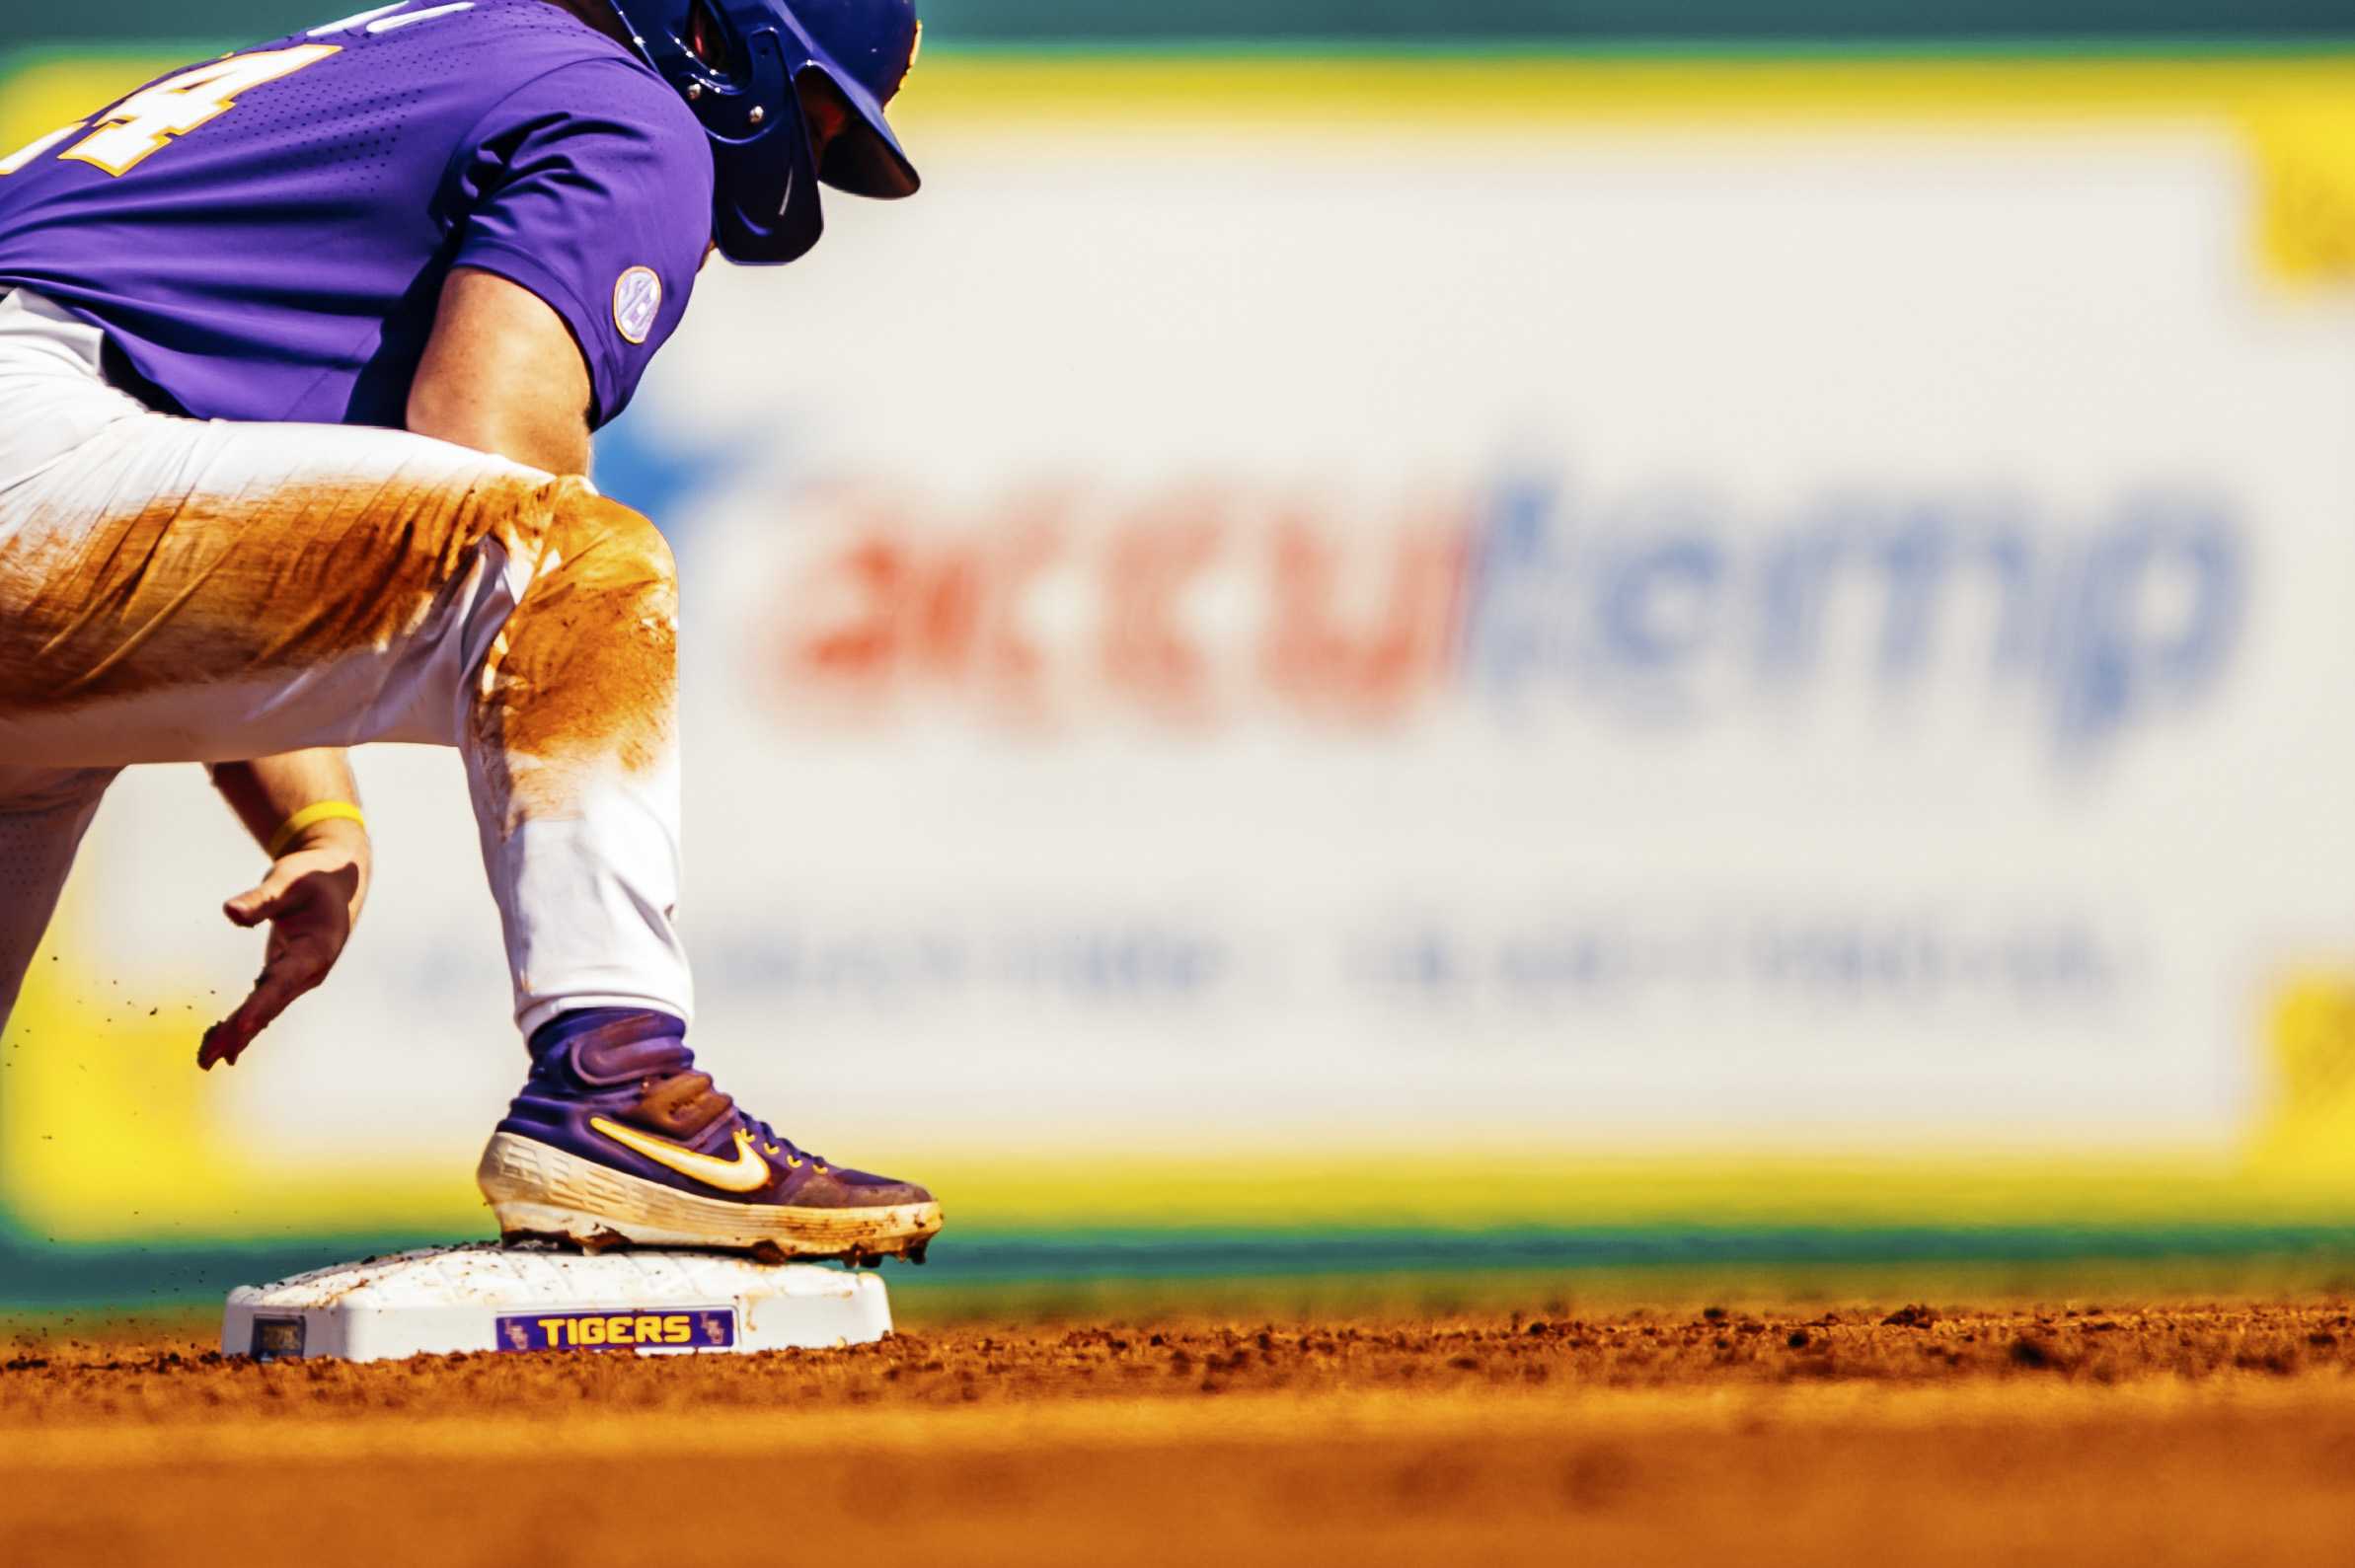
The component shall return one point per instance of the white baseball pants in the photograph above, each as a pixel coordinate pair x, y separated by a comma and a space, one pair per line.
176, 590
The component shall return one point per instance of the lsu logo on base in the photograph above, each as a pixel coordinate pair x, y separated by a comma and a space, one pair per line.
637, 301
693, 1329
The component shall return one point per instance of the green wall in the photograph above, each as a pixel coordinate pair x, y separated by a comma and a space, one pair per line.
1568, 22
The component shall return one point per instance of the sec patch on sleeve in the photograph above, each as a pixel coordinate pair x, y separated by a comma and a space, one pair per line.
637, 301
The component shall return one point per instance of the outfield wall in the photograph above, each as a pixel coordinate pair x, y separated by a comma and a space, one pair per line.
1730, 638
1585, 23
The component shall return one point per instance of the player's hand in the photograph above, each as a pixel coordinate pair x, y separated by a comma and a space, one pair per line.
311, 900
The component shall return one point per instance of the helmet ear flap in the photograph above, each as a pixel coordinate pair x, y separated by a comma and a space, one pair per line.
768, 209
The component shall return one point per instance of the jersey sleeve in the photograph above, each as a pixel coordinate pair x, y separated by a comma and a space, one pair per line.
591, 186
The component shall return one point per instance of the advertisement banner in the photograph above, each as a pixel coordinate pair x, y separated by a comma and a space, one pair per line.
1260, 637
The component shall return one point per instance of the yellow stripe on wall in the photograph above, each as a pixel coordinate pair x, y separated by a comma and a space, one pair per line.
1448, 93
1444, 94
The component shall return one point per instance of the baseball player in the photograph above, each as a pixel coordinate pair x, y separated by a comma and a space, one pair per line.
300, 353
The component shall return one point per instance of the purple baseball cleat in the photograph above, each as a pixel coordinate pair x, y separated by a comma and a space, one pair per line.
618, 1140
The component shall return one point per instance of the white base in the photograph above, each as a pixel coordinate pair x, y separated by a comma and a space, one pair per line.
485, 1297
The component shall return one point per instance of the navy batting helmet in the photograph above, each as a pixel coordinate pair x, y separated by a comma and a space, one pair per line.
737, 63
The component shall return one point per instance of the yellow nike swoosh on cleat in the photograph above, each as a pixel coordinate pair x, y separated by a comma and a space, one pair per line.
747, 1172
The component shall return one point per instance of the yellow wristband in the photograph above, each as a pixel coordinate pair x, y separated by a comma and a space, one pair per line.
310, 817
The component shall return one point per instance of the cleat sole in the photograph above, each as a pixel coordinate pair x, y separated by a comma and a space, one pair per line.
542, 1193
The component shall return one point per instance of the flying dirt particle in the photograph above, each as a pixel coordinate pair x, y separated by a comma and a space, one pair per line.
1713, 1314
2030, 1353
1797, 1339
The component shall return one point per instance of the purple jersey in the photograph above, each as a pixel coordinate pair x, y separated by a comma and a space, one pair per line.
265, 237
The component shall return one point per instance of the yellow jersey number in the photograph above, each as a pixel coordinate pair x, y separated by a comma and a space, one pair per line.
145, 122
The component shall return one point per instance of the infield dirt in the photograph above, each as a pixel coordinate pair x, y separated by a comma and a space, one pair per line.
2220, 1433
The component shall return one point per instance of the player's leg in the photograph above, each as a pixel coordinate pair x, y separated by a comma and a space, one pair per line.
43, 813
618, 1137
180, 591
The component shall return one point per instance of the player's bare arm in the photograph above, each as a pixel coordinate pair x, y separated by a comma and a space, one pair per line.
317, 884
501, 374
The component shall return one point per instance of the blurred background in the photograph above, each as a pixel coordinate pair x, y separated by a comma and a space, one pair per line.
1402, 638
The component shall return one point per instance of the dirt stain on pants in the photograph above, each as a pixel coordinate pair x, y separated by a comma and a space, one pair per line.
204, 589
445, 598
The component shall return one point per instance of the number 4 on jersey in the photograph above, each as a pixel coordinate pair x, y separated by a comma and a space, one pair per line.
146, 121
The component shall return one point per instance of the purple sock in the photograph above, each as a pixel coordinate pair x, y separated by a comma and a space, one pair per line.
605, 1027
